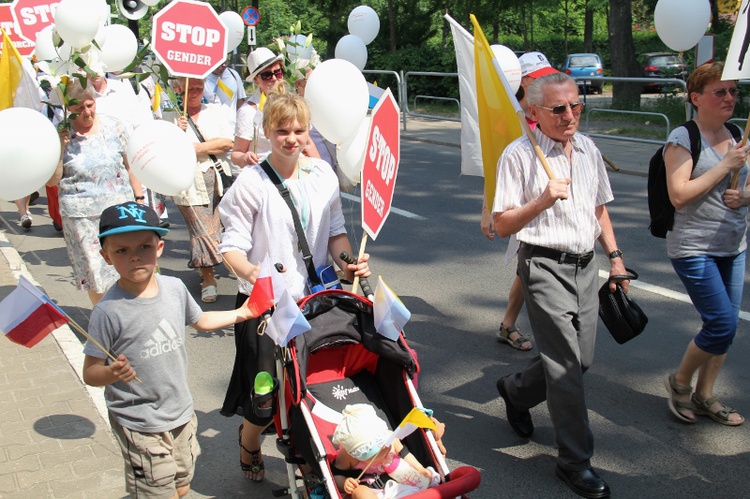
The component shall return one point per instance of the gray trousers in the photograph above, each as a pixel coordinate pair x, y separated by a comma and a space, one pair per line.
562, 304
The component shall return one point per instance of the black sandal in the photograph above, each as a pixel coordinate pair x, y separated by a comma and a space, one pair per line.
256, 466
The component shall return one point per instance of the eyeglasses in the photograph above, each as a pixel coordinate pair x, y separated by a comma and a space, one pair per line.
722, 92
269, 75
575, 108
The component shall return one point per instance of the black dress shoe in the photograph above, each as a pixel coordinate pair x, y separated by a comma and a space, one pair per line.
519, 420
585, 483
164, 224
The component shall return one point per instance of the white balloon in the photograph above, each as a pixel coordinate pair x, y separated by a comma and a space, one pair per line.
337, 95
296, 49
364, 22
101, 35
30, 148
162, 157
351, 152
351, 48
77, 21
681, 23
510, 65
45, 47
120, 47
235, 28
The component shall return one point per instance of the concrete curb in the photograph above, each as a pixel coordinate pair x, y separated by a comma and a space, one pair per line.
64, 336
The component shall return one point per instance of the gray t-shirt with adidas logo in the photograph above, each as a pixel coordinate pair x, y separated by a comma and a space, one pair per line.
150, 332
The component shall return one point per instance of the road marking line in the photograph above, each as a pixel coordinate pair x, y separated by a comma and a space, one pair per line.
668, 293
397, 211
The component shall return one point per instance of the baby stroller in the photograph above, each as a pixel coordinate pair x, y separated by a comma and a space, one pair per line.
342, 360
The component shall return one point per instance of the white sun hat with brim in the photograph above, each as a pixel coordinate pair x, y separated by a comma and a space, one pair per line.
361, 431
260, 59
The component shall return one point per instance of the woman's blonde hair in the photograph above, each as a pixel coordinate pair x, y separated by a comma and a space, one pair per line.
282, 107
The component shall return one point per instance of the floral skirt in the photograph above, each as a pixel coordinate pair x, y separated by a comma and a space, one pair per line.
204, 227
90, 271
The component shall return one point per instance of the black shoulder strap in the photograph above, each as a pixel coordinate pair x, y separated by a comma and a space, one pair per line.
200, 137
695, 137
694, 134
734, 130
301, 239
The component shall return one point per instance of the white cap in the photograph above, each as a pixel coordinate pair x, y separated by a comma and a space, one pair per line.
260, 59
361, 432
535, 65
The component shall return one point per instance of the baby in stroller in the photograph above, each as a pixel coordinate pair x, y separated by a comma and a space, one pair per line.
362, 437
342, 362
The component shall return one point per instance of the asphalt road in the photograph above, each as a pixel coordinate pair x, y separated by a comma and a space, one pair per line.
455, 284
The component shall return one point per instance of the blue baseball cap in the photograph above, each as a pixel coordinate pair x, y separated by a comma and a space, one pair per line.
129, 217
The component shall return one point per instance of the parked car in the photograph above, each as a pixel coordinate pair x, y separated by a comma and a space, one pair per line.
662, 65
578, 65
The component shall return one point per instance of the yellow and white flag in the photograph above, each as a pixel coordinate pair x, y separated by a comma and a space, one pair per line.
499, 122
415, 419
489, 109
391, 315
18, 85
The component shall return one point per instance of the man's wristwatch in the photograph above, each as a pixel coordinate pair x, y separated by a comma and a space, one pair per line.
615, 254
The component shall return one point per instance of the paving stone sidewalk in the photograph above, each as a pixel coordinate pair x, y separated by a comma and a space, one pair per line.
53, 440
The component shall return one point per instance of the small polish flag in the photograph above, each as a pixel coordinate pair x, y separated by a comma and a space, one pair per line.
262, 296
27, 315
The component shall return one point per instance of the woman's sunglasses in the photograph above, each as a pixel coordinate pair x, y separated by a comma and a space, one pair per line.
269, 75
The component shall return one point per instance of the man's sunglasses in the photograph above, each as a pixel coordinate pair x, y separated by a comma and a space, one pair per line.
575, 108
269, 75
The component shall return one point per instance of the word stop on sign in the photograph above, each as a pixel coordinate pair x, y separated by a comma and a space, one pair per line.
198, 35
386, 161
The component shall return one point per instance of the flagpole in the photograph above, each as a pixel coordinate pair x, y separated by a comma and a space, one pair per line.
736, 176
355, 283
538, 150
185, 98
92, 340
372, 460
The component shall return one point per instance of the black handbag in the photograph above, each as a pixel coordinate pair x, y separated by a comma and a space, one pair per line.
621, 314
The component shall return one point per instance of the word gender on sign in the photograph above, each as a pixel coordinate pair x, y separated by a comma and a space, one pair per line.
374, 198
386, 161
198, 35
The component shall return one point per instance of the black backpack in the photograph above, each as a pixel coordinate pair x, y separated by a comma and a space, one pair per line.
660, 207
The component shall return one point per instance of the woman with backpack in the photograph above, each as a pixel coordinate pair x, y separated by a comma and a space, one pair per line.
707, 242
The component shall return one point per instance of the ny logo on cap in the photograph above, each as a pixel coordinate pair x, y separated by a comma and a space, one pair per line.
132, 210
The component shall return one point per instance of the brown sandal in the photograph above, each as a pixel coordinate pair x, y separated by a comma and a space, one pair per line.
703, 408
256, 467
503, 336
675, 405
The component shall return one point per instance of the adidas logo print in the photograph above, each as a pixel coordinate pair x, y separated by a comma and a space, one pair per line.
163, 340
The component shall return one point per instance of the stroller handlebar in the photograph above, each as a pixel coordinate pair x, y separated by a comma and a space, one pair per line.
363, 282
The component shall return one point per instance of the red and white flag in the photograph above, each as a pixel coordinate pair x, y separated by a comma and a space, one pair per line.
262, 295
27, 315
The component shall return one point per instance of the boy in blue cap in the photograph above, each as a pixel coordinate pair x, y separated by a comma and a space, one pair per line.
142, 318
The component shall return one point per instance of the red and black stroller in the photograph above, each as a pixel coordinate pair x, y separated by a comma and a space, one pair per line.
342, 360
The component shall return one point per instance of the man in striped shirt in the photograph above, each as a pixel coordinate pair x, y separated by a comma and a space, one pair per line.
557, 221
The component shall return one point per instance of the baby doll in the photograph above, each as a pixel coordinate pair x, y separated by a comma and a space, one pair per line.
361, 436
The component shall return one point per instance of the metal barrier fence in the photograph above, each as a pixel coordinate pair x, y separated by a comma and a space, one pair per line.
586, 81
400, 93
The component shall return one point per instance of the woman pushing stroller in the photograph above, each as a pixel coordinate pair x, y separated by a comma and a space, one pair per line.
258, 222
